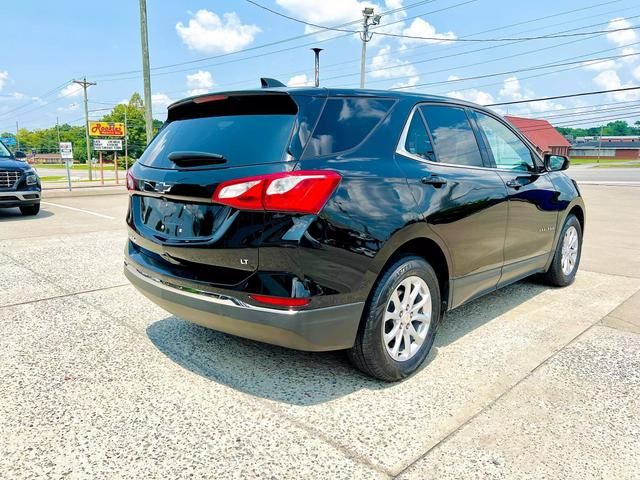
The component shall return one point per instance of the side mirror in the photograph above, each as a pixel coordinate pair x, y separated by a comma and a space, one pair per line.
556, 163
20, 155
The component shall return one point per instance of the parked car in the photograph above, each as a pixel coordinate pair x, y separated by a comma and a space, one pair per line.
328, 219
19, 183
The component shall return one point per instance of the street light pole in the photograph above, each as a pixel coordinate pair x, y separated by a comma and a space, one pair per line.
369, 18
144, 39
84, 84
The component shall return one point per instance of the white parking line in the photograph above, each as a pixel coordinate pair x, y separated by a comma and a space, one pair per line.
78, 210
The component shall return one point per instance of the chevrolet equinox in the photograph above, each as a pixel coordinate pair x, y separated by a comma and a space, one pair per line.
326, 219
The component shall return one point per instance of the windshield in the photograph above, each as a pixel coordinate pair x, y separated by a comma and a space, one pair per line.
4, 152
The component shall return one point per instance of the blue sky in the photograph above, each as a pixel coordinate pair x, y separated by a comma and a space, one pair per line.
49, 43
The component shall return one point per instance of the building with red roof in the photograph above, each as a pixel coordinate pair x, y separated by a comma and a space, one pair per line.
542, 135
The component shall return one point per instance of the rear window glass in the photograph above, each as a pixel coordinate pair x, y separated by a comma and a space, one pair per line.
245, 130
345, 123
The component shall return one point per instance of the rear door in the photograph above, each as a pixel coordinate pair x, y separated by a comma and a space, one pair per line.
206, 141
463, 201
532, 199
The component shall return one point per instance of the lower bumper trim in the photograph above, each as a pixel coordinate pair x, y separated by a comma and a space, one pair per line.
322, 329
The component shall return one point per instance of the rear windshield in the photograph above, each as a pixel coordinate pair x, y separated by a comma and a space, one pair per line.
244, 132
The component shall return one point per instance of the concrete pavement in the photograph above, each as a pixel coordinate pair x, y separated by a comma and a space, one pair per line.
529, 382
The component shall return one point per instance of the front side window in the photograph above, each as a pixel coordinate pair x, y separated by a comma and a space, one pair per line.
418, 141
455, 142
509, 152
345, 123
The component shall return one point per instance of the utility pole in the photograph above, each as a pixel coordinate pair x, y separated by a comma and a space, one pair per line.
600, 143
369, 18
84, 84
144, 38
17, 139
58, 130
126, 140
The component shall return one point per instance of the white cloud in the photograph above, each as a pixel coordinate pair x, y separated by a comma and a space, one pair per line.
4, 77
610, 80
199, 82
386, 65
473, 95
632, 52
72, 107
71, 90
208, 33
622, 37
636, 73
300, 81
422, 28
160, 101
326, 12
511, 89
600, 65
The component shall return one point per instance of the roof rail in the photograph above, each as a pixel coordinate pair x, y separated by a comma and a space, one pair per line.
270, 82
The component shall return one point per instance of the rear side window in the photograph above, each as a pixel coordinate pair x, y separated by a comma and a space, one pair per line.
455, 142
418, 141
345, 123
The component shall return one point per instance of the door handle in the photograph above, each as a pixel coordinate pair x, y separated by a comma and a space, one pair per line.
515, 184
434, 180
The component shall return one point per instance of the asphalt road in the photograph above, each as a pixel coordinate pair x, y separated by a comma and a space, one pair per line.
596, 175
97, 382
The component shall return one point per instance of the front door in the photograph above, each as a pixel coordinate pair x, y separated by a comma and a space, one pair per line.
532, 199
464, 202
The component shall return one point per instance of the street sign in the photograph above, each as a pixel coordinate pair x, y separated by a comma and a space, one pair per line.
106, 129
106, 145
66, 151
8, 141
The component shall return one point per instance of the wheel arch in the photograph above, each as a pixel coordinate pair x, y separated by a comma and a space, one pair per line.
416, 241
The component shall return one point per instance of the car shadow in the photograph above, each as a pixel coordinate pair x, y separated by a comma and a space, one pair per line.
304, 378
7, 214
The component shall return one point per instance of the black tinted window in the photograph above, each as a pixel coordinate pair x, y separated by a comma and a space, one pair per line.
344, 123
418, 141
241, 139
455, 142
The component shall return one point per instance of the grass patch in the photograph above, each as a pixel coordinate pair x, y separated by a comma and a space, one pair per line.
589, 160
628, 165
76, 166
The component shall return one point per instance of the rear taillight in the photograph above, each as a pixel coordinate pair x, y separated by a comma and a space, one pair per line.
302, 191
131, 181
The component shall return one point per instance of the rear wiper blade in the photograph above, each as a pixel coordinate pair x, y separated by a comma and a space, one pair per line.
196, 158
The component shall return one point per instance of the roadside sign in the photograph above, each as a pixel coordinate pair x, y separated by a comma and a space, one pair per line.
8, 141
106, 145
66, 151
106, 129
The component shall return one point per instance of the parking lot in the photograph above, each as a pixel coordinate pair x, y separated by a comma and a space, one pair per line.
97, 382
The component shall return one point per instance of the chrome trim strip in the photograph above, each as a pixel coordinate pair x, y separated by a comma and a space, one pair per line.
218, 298
21, 195
171, 197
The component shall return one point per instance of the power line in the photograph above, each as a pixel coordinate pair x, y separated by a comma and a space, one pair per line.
558, 97
505, 39
511, 72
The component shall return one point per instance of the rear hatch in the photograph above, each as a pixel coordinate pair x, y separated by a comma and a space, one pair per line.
174, 226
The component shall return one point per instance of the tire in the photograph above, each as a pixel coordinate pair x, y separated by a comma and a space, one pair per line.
30, 210
370, 353
558, 276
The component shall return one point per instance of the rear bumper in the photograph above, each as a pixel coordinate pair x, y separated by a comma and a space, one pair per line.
18, 199
322, 329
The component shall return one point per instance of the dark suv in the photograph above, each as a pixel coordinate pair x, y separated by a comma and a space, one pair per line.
19, 183
322, 219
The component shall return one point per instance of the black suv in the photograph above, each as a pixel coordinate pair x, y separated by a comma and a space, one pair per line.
19, 183
326, 219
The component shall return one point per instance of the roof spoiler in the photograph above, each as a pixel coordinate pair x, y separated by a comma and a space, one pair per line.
270, 83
